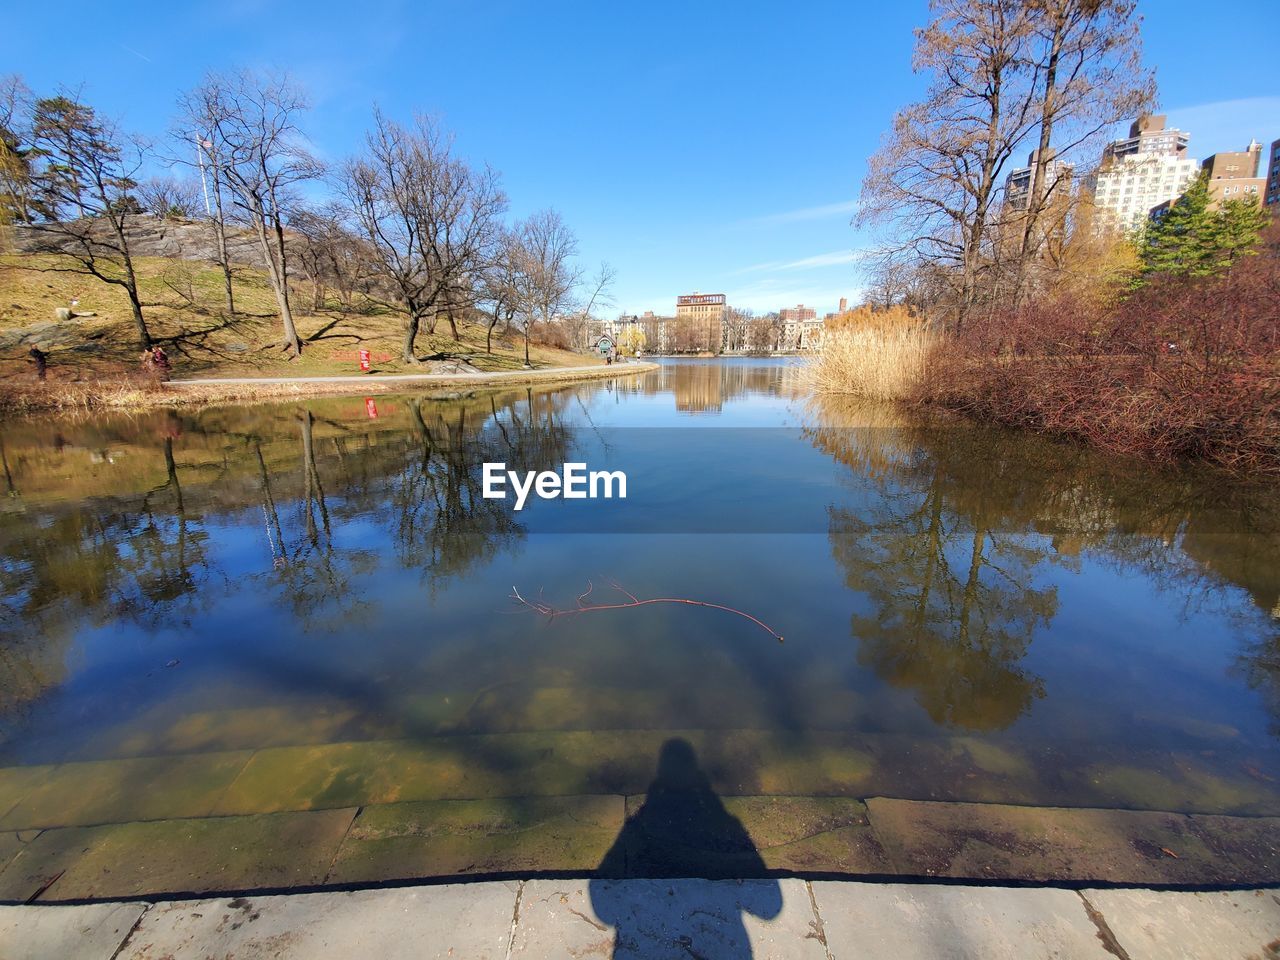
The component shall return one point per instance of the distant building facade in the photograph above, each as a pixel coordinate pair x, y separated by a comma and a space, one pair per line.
1148, 168
1271, 197
1234, 176
801, 328
701, 306
1057, 180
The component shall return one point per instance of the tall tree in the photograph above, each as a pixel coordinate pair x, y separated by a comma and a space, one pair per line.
547, 274
936, 179
1086, 61
248, 125
431, 220
89, 170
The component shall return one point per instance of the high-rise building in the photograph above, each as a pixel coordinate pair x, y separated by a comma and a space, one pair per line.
1057, 180
1272, 195
1234, 176
1142, 172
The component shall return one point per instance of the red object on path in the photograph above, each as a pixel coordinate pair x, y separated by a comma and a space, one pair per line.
371, 408
364, 359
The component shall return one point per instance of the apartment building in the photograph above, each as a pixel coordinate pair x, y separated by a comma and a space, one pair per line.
1148, 168
1234, 175
1057, 180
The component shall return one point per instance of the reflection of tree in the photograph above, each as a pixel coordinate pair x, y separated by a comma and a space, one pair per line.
955, 605
123, 533
960, 518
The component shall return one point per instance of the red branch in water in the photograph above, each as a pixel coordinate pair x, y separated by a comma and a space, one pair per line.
550, 612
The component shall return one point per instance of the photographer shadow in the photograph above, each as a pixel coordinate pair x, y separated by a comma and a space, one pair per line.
682, 833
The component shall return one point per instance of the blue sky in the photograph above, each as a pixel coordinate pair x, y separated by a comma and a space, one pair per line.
708, 146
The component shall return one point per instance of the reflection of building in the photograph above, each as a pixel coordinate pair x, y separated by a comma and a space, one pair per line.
1234, 176
1272, 196
1141, 172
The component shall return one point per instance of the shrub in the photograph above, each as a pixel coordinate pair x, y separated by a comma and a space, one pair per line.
1186, 368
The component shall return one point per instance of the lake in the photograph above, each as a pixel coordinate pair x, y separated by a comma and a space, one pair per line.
305, 607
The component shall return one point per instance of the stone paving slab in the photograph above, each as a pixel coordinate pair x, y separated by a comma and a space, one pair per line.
667, 920
676, 919
115, 791
893, 921
91, 932
1150, 925
999, 842
17, 782
459, 922
455, 837
556, 763
177, 856
795, 834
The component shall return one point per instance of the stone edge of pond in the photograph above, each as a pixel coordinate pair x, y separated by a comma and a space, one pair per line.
811, 837
218, 391
783, 919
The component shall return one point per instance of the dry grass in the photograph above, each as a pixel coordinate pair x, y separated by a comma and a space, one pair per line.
883, 362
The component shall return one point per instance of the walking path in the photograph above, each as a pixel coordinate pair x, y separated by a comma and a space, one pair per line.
677, 919
498, 376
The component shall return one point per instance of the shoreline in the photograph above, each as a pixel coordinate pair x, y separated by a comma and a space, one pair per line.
124, 395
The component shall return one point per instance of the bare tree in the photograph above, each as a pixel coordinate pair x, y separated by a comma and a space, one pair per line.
249, 127
170, 198
1087, 65
737, 320
88, 175
547, 275
431, 221
599, 290
937, 178
501, 291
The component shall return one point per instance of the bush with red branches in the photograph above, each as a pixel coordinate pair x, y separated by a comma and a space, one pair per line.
1179, 369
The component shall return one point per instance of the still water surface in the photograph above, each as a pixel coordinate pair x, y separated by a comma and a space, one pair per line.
968, 613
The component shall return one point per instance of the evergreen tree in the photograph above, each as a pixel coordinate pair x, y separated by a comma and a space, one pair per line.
1191, 240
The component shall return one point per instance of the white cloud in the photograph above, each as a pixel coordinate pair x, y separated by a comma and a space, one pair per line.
837, 258
809, 213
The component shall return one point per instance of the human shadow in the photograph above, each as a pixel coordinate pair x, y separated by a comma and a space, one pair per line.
682, 833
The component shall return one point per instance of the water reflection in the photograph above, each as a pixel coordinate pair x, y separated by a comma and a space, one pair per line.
952, 551
318, 577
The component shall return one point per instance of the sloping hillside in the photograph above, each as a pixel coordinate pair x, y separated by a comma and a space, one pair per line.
184, 309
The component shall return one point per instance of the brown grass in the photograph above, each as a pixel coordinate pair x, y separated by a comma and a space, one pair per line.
879, 362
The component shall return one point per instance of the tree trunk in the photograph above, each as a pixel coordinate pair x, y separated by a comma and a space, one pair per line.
276, 276
526, 346
488, 338
224, 260
411, 335
291, 339
1035, 199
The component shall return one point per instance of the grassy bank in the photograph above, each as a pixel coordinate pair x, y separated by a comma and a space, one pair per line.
184, 309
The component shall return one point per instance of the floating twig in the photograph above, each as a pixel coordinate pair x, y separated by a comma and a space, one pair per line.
545, 609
